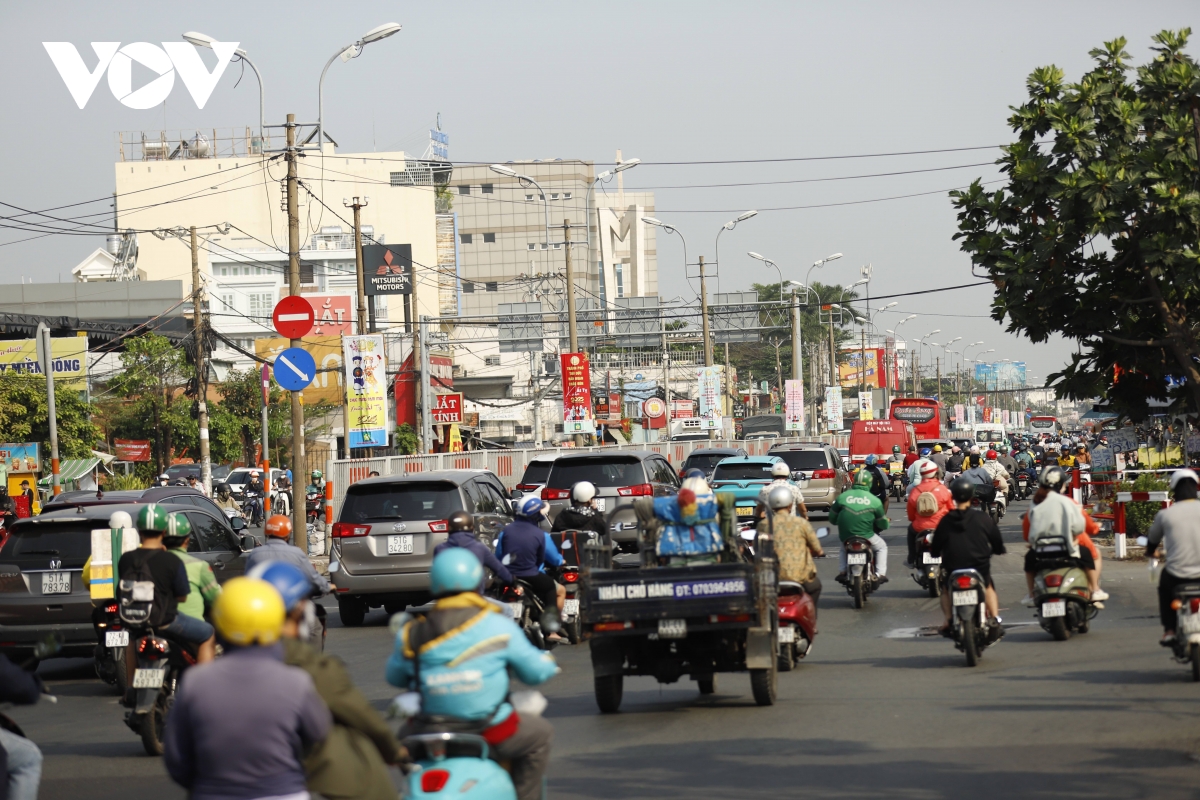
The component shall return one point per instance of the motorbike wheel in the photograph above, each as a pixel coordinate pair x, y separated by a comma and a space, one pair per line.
858, 591
933, 589
352, 611
763, 685
969, 642
1057, 626
122, 682
1194, 654
609, 689
574, 630
154, 725
787, 657
994, 512
707, 685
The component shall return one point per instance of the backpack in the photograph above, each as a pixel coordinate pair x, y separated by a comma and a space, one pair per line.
927, 504
140, 601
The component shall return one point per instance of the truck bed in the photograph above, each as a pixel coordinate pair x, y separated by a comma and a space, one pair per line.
710, 595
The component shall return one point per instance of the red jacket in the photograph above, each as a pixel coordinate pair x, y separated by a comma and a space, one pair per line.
911, 459
945, 504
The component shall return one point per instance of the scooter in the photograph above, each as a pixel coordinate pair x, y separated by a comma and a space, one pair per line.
1061, 594
530, 615
861, 578
927, 566
281, 501
160, 664
897, 485
111, 641
1186, 646
797, 624
969, 625
455, 765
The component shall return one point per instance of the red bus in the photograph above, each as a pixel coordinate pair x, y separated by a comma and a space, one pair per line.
924, 414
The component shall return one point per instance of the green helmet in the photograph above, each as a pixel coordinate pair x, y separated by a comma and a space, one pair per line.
316, 474
864, 479
178, 528
152, 517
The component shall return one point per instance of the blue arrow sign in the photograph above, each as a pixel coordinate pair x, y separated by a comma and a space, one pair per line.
294, 369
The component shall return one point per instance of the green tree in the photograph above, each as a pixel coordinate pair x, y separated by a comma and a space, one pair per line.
406, 439
238, 417
150, 387
25, 416
1095, 236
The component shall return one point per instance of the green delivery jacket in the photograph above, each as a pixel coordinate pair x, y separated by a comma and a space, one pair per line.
858, 513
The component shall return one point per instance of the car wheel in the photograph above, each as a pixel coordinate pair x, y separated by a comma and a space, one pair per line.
352, 611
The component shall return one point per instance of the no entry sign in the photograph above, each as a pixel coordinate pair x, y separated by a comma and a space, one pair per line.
293, 317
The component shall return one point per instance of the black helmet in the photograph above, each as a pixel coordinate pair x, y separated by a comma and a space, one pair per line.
962, 490
1053, 478
461, 521
221, 488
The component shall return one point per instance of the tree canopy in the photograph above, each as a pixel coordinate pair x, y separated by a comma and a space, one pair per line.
1096, 235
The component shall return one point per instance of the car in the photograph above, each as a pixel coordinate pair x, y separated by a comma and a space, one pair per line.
536, 472
706, 459
844, 452
744, 477
387, 528
178, 495
823, 468
41, 566
177, 472
619, 478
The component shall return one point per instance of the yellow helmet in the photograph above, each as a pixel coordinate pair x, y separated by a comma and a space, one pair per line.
249, 611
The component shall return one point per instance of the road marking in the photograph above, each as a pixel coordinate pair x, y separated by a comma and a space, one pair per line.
931, 630
293, 368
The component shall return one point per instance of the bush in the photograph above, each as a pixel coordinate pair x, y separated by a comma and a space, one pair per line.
1138, 516
119, 483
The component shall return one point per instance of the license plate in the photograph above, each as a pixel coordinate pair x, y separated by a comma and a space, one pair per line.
571, 608
926, 558
672, 628
856, 558
1055, 608
400, 544
56, 583
116, 638
148, 678
1189, 623
515, 609
745, 511
787, 634
967, 598
600, 503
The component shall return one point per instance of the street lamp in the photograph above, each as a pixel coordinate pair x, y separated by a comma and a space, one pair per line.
202, 40
728, 226
346, 53
603, 177
820, 262
766, 260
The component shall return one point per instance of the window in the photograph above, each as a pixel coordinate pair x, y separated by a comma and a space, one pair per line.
492, 286
468, 287
226, 301
494, 501
528, 198
411, 502
464, 190
566, 195
544, 246
261, 305
489, 238
474, 498
600, 470
465, 238
554, 195
486, 188
491, 361
485, 501
210, 534
557, 245
532, 246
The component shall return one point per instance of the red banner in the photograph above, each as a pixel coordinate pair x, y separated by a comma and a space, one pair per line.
577, 394
331, 314
447, 408
132, 449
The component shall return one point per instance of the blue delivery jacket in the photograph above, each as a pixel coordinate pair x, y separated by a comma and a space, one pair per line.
690, 530
463, 650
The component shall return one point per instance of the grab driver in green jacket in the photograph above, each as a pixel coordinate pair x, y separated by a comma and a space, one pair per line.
860, 513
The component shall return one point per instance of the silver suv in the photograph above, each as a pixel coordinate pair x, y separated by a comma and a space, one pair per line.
619, 478
388, 527
822, 466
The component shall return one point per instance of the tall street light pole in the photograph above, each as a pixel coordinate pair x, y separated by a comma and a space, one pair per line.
346, 53
201, 40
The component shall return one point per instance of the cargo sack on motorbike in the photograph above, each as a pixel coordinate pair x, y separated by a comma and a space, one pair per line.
927, 504
570, 545
140, 601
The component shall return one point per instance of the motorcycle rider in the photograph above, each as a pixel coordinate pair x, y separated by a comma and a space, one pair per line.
353, 760
462, 534
164, 480
954, 464
203, 583
940, 457
923, 523
1008, 462
796, 543
582, 514
521, 547
879, 482
967, 538
458, 656
193, 482
1026, 462
1177, 528
239, 726
276, 548
21, 758
1066, 459
253, 497
914, 472
1054, 514
911, 456
1000, 479
781, 475
316, 483
859, 512
224, 499
8, 508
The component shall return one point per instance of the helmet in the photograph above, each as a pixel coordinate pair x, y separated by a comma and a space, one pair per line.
583, 492
864, 479
178, 528
221, 488
925, 451
962, 490
780, 497
120, 519
780, 469
249, 611
152, 517
992, 455
928, 468
955, 449
1183, 474
288, 579
164, 477
254, 473
531, 507
895, 448
871, 460
455, 570
1053, 478
278, 526
316, 474
694, 472
460, 521
937, 448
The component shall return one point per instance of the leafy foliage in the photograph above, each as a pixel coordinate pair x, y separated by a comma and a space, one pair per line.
1138, 516
25, 416
406, 439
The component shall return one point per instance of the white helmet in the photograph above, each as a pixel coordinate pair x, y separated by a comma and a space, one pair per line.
120, 519
583, 492
1180, 474
780, 497
780, 469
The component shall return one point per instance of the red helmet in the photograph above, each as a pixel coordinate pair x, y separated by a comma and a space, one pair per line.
992, 455
278, 527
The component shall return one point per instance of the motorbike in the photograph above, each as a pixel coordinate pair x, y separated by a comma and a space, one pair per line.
571, 623
530, 615
312, 507
457, 763
1025, 483
160, 664
281, 501
797, 624
969, 625
1061, 595
985, 500
897, 485
861, 578
252, 508
927, 566
1186, 646
111, 641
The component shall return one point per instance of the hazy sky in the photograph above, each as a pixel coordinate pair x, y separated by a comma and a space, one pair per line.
663, 81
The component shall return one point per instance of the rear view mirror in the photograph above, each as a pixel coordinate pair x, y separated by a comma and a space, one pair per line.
248, 542
517, 494
237, 523
822, 533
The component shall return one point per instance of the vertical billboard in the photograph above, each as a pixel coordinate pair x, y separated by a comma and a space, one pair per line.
833, 407
866, 408
577, 394
793, 405
709, 391
960, 415
366, 391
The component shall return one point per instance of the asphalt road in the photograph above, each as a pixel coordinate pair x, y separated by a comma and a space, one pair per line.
877, 710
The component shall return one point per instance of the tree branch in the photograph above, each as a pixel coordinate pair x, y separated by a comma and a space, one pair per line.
1135, 342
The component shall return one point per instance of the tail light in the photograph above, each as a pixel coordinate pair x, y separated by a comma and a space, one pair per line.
434, 780
439, 526
717, 618
857, 546
555, 494
612, 626
347, 530
570, 577
111, 608
963, 581
1054, 580
1194, 605
152, 647
641, 490
823, 474
527, 487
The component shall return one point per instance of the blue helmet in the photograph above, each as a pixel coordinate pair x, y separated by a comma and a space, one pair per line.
871, 460
530, 506
926, 451
455, 570
288, 579
695, 472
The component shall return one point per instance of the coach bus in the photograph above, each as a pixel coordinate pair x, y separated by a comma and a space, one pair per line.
924, 414
1043, 424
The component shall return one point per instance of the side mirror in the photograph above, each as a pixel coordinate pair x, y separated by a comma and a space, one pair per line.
822, 533
237, 523
512, 508
517, 494
248, 542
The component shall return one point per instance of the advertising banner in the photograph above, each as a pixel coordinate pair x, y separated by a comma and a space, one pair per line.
447, 408
960, 415
366, 391
387, 269
793, 405
326, 388
682, 409
1000, 375
21, 457
851, 372
577, 394
971, 414
331, 314
709, 392
833, 407
865, 407
70, 360
132, 449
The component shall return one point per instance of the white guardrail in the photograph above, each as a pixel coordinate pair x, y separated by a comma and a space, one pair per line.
509, 465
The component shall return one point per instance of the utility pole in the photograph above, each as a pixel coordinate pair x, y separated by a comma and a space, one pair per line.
572, 323
198, 335
358, 263
862, 362
708, 354
535, 380
47, 363
299, 531
424, 416
938, 361
834, 378
797, 363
